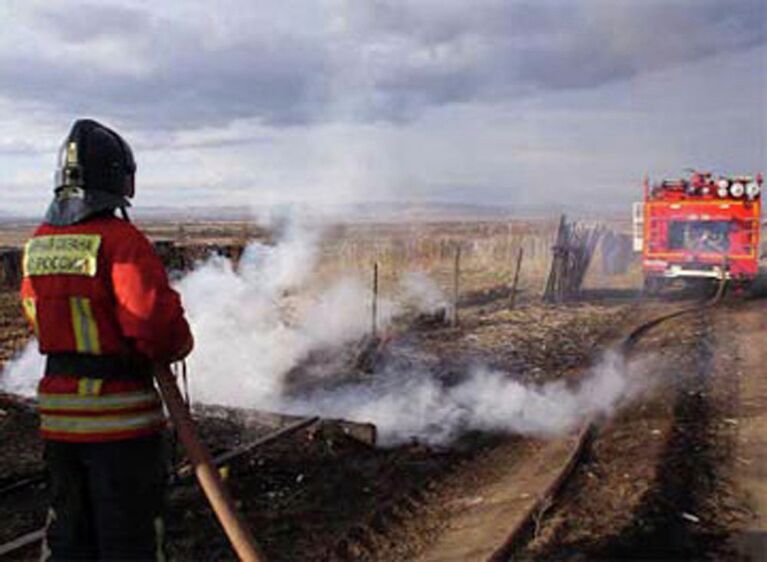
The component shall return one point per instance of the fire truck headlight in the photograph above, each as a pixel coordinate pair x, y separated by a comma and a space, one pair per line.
753, 190
737, 189
722, 192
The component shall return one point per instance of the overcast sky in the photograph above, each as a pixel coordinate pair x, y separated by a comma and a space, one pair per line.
247, 102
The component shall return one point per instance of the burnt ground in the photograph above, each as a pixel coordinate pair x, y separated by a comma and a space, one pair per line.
314, 497
660, 481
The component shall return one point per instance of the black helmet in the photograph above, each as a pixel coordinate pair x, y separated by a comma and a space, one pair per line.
94, 157
95, 173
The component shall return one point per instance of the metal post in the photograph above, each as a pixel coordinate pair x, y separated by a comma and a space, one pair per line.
513, 295
374, 330
456, 278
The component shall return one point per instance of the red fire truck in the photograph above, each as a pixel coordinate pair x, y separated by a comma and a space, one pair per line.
700, 227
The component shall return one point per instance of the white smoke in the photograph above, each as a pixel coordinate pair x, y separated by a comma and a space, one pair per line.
421, 292
414, 405
248, 341
23, 372
254, 325
251, 327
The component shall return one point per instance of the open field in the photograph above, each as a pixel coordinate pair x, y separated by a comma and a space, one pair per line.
670, 410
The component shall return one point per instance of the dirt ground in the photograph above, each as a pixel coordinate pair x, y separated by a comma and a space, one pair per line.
314, 497
681, 477
743, 359
677, 474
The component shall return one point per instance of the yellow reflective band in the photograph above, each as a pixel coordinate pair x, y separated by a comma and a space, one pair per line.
99, 424
84, 325
108, 402
89, 387
62, 254
30, 310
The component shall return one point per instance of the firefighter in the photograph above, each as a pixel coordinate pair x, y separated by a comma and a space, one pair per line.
98, 298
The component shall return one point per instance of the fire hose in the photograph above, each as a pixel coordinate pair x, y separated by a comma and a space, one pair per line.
236, 530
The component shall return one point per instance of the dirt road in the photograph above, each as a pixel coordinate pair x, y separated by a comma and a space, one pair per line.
683, 475
744, 358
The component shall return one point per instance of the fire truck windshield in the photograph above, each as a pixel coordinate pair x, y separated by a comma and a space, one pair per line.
700, 236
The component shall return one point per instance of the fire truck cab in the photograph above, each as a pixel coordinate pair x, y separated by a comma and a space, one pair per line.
700, 227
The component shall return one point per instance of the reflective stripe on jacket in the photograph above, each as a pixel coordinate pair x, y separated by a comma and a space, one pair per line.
88, 410
97, 289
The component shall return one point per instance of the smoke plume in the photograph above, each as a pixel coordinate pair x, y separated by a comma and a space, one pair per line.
255, 324
414, 405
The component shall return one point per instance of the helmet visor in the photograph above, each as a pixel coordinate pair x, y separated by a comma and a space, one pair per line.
69, 173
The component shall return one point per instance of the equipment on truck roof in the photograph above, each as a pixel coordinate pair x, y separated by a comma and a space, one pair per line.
699, 227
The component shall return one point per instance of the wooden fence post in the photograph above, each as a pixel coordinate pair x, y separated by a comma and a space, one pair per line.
456, 280
513, 295
374, 330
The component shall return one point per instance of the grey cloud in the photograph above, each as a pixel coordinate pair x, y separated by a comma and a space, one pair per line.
528, 47
82, 23
185, 86
559, 45
21, 148
229, 142
392, 60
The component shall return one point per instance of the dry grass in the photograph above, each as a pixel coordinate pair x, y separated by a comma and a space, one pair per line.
488, 252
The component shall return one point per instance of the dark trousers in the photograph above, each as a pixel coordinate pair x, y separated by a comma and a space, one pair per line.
106, 499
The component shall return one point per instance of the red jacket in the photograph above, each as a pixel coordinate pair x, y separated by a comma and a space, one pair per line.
98, 289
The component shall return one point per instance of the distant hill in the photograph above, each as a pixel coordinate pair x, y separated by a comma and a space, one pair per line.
381, 211
13, 218
407, 211
190, 213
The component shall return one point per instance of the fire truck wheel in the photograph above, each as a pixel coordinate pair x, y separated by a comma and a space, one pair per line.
652, 286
